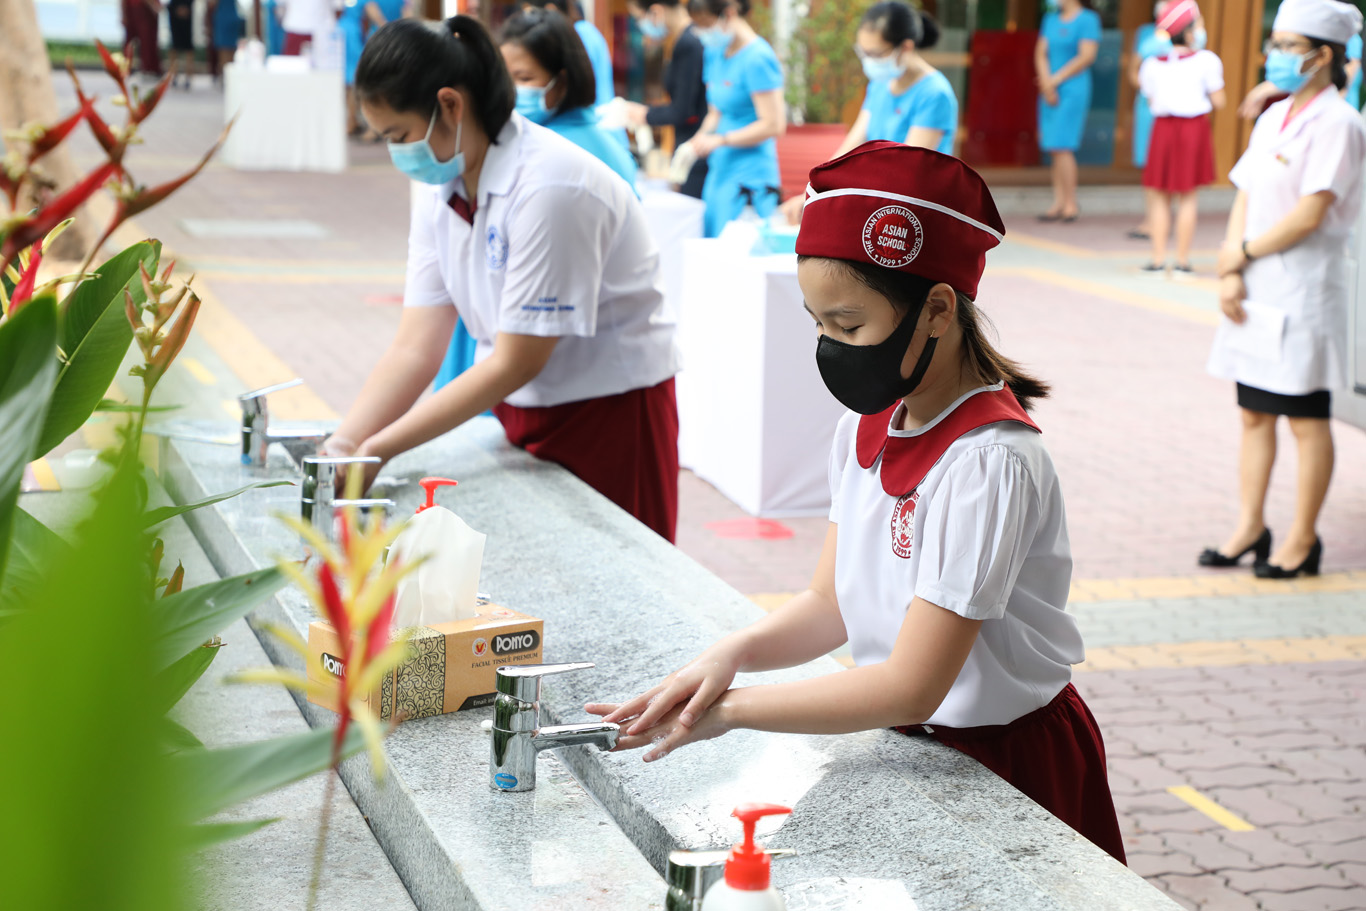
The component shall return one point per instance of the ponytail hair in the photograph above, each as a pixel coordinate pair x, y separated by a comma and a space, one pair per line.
905, 292
896, 21
406, 62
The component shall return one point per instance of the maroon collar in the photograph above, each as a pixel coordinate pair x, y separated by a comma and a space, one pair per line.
906, 460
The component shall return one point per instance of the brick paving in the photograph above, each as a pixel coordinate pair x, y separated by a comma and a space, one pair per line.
1145, 445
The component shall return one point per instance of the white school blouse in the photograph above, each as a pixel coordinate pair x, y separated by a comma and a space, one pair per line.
557, 246
984, 535
1180, 86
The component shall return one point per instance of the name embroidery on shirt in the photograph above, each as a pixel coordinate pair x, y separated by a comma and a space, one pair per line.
498, 248
903, 524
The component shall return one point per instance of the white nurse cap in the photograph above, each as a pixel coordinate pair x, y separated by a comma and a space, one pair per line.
1326, 20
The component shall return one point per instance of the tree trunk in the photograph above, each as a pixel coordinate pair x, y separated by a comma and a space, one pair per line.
27, 96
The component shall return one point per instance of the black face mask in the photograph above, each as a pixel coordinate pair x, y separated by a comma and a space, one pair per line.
867, 378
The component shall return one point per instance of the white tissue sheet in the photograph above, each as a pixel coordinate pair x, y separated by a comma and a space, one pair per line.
444, 588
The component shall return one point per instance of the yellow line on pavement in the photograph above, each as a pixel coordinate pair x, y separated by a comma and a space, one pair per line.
1119, 295
44, 475
198, 370
1225, 817
1052, 246
1224, 654
1089, 591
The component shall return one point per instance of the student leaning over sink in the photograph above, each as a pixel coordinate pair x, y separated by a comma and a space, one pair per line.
946, 564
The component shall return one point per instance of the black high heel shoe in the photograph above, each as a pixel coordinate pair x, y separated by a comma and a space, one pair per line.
1262, 548
1310, 566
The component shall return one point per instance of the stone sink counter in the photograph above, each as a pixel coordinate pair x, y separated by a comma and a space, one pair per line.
879, 820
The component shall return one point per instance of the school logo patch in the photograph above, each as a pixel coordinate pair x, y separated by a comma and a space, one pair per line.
892, 236
903, 524
498, 248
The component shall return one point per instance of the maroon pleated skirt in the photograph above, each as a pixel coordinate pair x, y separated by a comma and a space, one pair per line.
624, 446
1180, 155
1054, 756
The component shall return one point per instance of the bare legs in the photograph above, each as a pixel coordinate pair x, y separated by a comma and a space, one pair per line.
1314, 443
1160, 224
1064, 185
1187, 212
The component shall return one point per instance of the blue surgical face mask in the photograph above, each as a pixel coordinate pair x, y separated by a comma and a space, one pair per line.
531, 102
882, 69
418, 161
1199, 38
1162, 46
652, 30
715, 38
1283, 70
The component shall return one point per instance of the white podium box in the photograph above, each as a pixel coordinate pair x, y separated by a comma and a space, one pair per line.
673, 218
289, 121
755, 418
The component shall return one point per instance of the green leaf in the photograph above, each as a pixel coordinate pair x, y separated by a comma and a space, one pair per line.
214, 780
95, 336
34, 549
195, 615
28, 367
112, 407
208, 834
162, 513
175, 681
174, 737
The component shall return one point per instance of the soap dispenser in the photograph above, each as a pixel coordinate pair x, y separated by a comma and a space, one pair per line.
746, 886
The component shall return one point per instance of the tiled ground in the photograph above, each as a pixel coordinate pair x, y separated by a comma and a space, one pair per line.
1248, 693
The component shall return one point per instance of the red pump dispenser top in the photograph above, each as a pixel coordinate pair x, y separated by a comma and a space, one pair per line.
747, 866
430, 485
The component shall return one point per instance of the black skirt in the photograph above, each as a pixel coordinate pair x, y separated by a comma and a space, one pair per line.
1316, 404
182, 21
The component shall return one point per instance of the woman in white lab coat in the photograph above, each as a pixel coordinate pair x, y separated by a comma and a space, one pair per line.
1284, 278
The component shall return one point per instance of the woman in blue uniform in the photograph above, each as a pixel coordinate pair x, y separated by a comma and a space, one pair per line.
555, 88
1068, 42
908, 100
745, 114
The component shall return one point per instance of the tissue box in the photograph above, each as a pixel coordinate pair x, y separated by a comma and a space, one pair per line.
453, 666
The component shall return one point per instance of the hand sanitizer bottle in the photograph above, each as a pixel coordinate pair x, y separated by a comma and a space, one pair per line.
746, 886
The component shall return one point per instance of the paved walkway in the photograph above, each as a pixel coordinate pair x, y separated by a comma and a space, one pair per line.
1232, 707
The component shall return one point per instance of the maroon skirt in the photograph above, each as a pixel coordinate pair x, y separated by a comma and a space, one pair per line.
624, 446
1180, 155
1055, 756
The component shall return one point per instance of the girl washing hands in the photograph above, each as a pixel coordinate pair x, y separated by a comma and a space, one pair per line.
946, 564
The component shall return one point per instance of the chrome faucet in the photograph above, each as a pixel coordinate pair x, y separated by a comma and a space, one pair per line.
517, 733
257, 434
318, 500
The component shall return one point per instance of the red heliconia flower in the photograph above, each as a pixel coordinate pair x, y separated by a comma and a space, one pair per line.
31, 230
23, 289
377, 635
54, 135
175, 340
147, 105
111, 144
112, 67
177, 581
130, 310
334, 607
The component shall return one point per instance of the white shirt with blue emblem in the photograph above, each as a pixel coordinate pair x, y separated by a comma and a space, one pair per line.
558, 246
983, 535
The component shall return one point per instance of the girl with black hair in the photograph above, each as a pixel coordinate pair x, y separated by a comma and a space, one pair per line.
546, 256
907, 99
594, 44
746, 113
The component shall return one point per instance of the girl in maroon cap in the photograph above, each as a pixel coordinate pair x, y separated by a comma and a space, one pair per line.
946, 564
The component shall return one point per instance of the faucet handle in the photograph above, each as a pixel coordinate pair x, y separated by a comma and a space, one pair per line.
319, 470
267, 390
523, 681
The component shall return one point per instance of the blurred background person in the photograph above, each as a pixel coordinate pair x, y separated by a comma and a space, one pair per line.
180, 19
554, 85
1146, 44
357, 20
303, 18
594, 44
140, 19
1069, 39
1286, 266
1182, 87
227, 29
907, 100
274, 38
668, 23
745, 114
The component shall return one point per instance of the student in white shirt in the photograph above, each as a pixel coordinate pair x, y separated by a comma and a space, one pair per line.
546, 255
1182, 87
946, 564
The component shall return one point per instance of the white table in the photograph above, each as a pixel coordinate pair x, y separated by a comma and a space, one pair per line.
287, 122
755, 418
673, 218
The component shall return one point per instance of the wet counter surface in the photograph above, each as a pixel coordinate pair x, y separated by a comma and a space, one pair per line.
880, 820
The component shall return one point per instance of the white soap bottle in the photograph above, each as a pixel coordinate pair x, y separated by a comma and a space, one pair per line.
747, 885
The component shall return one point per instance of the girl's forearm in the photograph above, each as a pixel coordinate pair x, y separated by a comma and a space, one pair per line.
393, 386
808, 626
859, 699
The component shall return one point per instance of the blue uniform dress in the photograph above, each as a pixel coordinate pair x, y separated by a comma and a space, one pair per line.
1147, 45
1061, 125
351, 22
227, 25
579, 126
928, 103
732, 81
275, 32
1354, 87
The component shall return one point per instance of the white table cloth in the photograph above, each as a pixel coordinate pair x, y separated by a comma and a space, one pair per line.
755, 418
287, 122
673, 218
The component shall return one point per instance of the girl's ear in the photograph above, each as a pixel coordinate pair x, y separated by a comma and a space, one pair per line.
941, 308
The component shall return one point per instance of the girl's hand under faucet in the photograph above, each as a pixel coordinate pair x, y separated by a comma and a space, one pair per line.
669, 732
